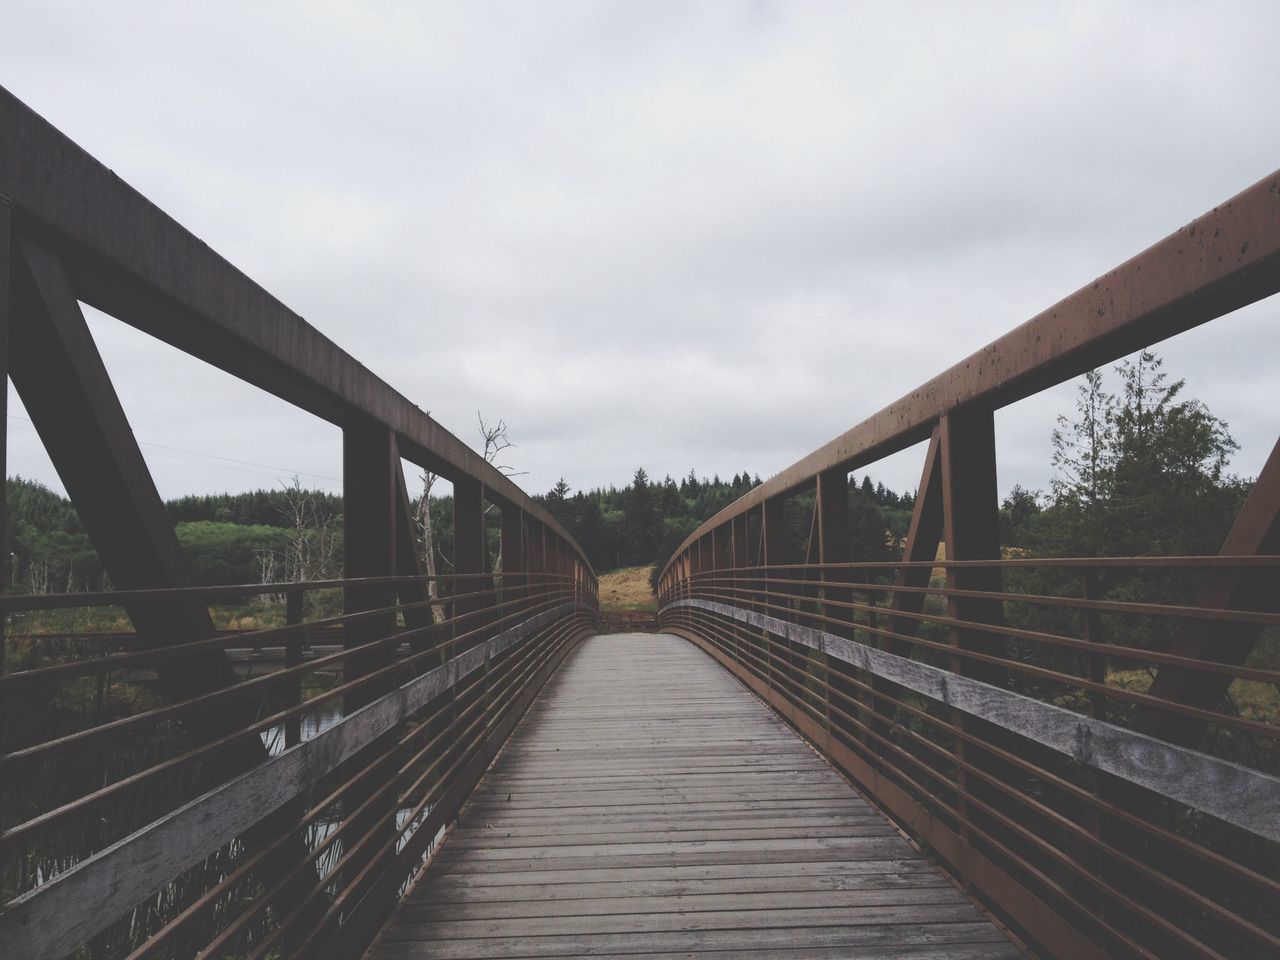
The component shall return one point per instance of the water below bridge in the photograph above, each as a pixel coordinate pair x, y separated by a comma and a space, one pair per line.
649, 804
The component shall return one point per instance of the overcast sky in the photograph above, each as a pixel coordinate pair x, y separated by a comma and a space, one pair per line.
669, 235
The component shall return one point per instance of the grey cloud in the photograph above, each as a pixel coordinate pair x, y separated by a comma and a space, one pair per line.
696, 235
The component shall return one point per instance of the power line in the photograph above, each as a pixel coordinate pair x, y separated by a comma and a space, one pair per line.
215, 459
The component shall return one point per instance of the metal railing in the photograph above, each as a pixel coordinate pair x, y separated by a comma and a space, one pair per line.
1071, 736
127, 834
192, 788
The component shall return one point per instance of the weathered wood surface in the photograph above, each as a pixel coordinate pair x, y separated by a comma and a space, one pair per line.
57, 916
648, 804
1231, 792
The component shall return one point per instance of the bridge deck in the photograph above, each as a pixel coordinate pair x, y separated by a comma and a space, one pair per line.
648, 804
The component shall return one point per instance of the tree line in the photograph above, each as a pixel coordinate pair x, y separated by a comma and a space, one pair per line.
1139, 469
646, 521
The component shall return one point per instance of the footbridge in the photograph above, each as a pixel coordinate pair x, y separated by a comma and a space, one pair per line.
959, 752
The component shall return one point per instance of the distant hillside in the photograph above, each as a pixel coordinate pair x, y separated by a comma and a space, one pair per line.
627, 589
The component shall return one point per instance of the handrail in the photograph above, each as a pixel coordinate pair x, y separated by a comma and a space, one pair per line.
1219, 262
132, 260
1072, 741
162, 797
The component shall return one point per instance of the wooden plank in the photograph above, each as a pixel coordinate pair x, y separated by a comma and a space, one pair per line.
1228, 791
664, 833
695, 902
799, 919
452, 892
631, 813
840, 870
672, 821
935, 941
978, 951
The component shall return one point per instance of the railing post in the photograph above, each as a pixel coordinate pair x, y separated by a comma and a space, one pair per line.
370, 465
921, 546
545, 582
773, 552
468, 553
370, 460
971, 530
741, 553
834, 549
719, 559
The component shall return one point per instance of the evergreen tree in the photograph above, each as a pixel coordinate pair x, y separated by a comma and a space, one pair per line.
642, 524
1082, 446
1139, 473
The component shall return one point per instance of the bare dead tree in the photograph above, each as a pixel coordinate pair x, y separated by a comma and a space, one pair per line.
39, 573
496, 441
423, 520
267, 574
313, 541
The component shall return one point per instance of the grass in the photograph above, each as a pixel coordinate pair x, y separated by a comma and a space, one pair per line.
627, 589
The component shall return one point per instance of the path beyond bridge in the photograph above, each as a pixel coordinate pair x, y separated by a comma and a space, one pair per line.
650, 804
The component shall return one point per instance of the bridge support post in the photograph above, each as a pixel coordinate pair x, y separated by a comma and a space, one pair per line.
833, 535
370, 467
371, 486
921, 546
535, 552
67, 390
971, 530
740, 551
469, 550
1256, 530
740, 557
773, 534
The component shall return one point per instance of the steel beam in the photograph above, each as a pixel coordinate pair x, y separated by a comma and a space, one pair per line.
1255, 531
772, 533
921, 546
1221, 261
73, 405
741, 552
469, 561
832, 505
371, 487
971, 530
132, 260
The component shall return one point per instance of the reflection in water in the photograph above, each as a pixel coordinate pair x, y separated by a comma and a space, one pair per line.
313, 722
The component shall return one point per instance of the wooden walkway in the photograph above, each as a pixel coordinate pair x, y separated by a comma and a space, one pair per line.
649, 804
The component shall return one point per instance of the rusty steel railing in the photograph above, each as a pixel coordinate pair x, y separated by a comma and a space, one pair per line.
1069, 746
129, 835
188, 789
